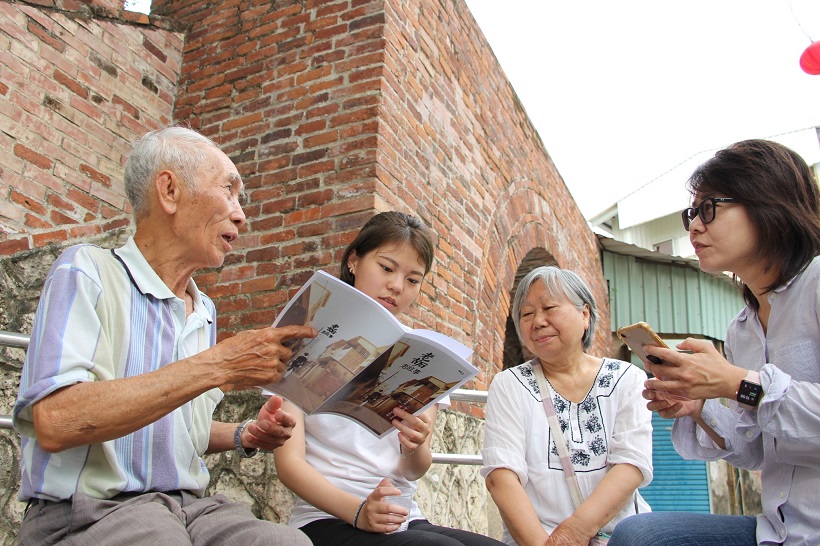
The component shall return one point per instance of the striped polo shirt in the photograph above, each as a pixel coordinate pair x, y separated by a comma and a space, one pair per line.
105, 314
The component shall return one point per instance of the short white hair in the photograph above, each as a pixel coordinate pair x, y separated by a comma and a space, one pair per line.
177, 149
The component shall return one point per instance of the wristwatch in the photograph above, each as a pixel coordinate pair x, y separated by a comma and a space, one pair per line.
237, 441
749, 392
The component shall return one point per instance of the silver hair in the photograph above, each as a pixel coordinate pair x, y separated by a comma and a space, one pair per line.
177, 149
559, 282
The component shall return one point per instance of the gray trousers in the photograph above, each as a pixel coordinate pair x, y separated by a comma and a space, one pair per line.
166, 519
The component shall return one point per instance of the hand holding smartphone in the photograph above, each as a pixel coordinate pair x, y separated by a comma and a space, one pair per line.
640, 334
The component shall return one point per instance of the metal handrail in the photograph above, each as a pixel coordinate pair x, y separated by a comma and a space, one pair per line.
465, 395
457, 458
13, 339
462, 395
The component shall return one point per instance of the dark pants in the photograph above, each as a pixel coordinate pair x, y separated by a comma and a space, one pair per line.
167, 519
335, 532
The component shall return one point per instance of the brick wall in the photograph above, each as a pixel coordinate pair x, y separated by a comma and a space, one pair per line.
291, 91
332, 110
75, 91
458, 147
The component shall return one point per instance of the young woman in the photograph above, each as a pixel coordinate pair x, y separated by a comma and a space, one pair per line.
756, 213
341, 472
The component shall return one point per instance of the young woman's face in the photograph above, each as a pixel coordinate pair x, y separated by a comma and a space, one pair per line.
390, 274
727, 243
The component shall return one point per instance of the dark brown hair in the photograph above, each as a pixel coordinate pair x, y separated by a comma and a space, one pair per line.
390, 228
781, 198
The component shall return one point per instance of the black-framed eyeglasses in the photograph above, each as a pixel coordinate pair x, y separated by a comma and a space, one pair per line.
706, 210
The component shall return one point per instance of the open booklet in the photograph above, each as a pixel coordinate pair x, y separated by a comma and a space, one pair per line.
364, 362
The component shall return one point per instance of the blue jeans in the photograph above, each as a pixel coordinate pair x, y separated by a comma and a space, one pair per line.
684, 529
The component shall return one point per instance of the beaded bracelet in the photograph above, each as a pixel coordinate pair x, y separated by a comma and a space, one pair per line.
358, 511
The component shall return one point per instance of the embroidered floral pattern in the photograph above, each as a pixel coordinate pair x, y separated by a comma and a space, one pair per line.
598, 447
588, 405
593, 424
527, 373
580, 458
582, 424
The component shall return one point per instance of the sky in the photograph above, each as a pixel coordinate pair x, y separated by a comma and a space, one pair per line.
622, 91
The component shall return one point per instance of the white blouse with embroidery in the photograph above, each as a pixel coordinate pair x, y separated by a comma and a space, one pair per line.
610, 426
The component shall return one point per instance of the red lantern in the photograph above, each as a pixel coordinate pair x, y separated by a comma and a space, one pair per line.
810, 59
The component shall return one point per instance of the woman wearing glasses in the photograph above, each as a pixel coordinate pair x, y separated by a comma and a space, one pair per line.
756, 214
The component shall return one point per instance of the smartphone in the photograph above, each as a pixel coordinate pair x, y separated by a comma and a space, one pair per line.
640, 334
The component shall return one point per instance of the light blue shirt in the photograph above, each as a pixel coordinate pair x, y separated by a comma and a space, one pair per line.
105, 315
781, 438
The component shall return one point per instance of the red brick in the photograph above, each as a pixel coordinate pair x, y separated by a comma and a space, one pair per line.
58, 202
43, 239
45, 36
128, 108
74, 86
27, 202
32, 157
13, 246
35, 222
59, 218
321, 140
82, 199
116, 224
95, 175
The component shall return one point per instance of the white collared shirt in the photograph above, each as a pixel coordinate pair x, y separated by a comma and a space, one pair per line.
782, 437
105, 315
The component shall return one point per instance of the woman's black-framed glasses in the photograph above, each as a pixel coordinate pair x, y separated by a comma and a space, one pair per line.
706, 210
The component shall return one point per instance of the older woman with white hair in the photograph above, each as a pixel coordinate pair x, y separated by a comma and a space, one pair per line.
564, 468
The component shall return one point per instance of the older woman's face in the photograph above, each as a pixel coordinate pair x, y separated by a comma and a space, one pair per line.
552, 326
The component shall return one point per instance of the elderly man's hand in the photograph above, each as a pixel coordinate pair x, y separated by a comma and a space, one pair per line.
271, 428
254, 358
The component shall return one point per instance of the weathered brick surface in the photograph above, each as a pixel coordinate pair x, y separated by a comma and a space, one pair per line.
332, 110
74, 96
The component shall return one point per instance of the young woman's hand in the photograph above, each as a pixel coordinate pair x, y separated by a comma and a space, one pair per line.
377, 516
413, 429
669, 406
702, 374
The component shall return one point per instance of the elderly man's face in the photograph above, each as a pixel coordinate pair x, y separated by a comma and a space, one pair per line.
210, 213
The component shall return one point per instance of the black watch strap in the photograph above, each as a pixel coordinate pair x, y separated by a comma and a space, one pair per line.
749, 392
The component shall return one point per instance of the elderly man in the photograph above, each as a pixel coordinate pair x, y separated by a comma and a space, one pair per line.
123, 371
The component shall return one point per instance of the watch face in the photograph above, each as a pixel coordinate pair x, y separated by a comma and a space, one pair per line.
748, 393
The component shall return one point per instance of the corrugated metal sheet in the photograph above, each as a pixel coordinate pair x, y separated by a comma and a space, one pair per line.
676, 299
678, 485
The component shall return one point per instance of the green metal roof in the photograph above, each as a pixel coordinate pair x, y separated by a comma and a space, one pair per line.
673, 297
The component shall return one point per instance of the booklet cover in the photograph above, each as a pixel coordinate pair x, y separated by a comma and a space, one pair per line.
364, 362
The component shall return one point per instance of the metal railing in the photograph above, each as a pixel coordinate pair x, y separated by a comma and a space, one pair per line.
13, 339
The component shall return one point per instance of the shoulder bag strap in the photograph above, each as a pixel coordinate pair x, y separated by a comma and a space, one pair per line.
557, 435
